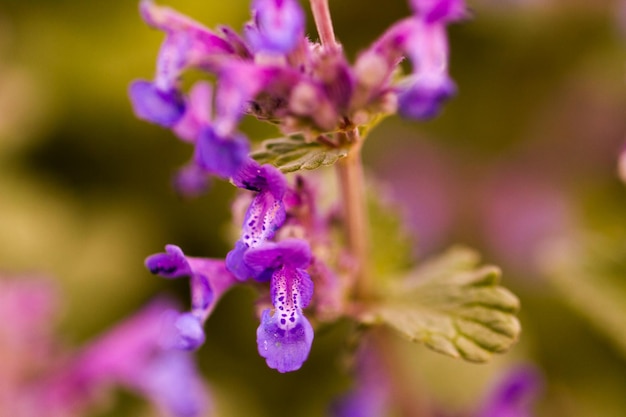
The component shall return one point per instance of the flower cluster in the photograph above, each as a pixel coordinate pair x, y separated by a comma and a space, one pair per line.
275, 73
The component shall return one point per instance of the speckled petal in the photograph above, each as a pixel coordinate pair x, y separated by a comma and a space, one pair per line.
293, 253
284, 350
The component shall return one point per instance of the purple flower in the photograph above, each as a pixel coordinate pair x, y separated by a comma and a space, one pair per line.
209, 280
187, 44
131, 355
278, 25
439, 10
371, 394
514, 394
162, 107
264, 216
285, 336
429, 86
240, 82
423, 97
220, 155
197, 114
191, 180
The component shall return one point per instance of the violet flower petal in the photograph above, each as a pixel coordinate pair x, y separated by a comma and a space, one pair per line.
514, 394
279, 25
130, 354
191, 180
444, 11
265, 215
171, 264
235, 262
221, 156
187, 44
266, 178
174, 385
197, 114
162, 107
209, 280
370, 396
293, 253
423, 99
284, 350
182, 331
430, 85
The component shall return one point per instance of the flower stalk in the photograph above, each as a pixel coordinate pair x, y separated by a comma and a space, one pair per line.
352, 190
323, 23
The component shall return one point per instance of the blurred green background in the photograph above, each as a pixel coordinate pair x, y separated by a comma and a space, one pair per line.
521, 165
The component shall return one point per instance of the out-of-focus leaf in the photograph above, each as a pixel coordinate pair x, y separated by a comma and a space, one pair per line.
453, 306
294, 153
393, 246
590, 272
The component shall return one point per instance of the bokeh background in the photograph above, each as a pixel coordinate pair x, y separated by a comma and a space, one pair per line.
521, 165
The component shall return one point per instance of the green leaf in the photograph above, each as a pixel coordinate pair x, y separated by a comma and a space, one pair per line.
453, 306
294, 153
386, 225
590, 272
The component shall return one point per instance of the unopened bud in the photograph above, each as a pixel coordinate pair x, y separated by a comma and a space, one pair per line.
371, 69
304, 99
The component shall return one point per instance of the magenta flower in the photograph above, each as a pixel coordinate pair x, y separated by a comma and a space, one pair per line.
40, 376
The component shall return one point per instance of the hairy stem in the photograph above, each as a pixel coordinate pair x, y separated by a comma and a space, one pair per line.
323, 23
352, 189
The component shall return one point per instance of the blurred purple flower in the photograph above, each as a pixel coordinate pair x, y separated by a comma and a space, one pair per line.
519, 214
221, 155
514, 394
371, 393
440, 10
278, 25
430, 85
131, 355
162, 107
38, 377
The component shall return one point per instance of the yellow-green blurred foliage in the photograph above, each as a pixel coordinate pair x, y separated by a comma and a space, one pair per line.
85, 189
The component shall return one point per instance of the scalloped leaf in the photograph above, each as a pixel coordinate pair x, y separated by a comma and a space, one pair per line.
294, 153
453, 306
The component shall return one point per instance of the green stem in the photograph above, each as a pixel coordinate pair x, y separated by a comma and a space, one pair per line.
350, 174
352, 189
